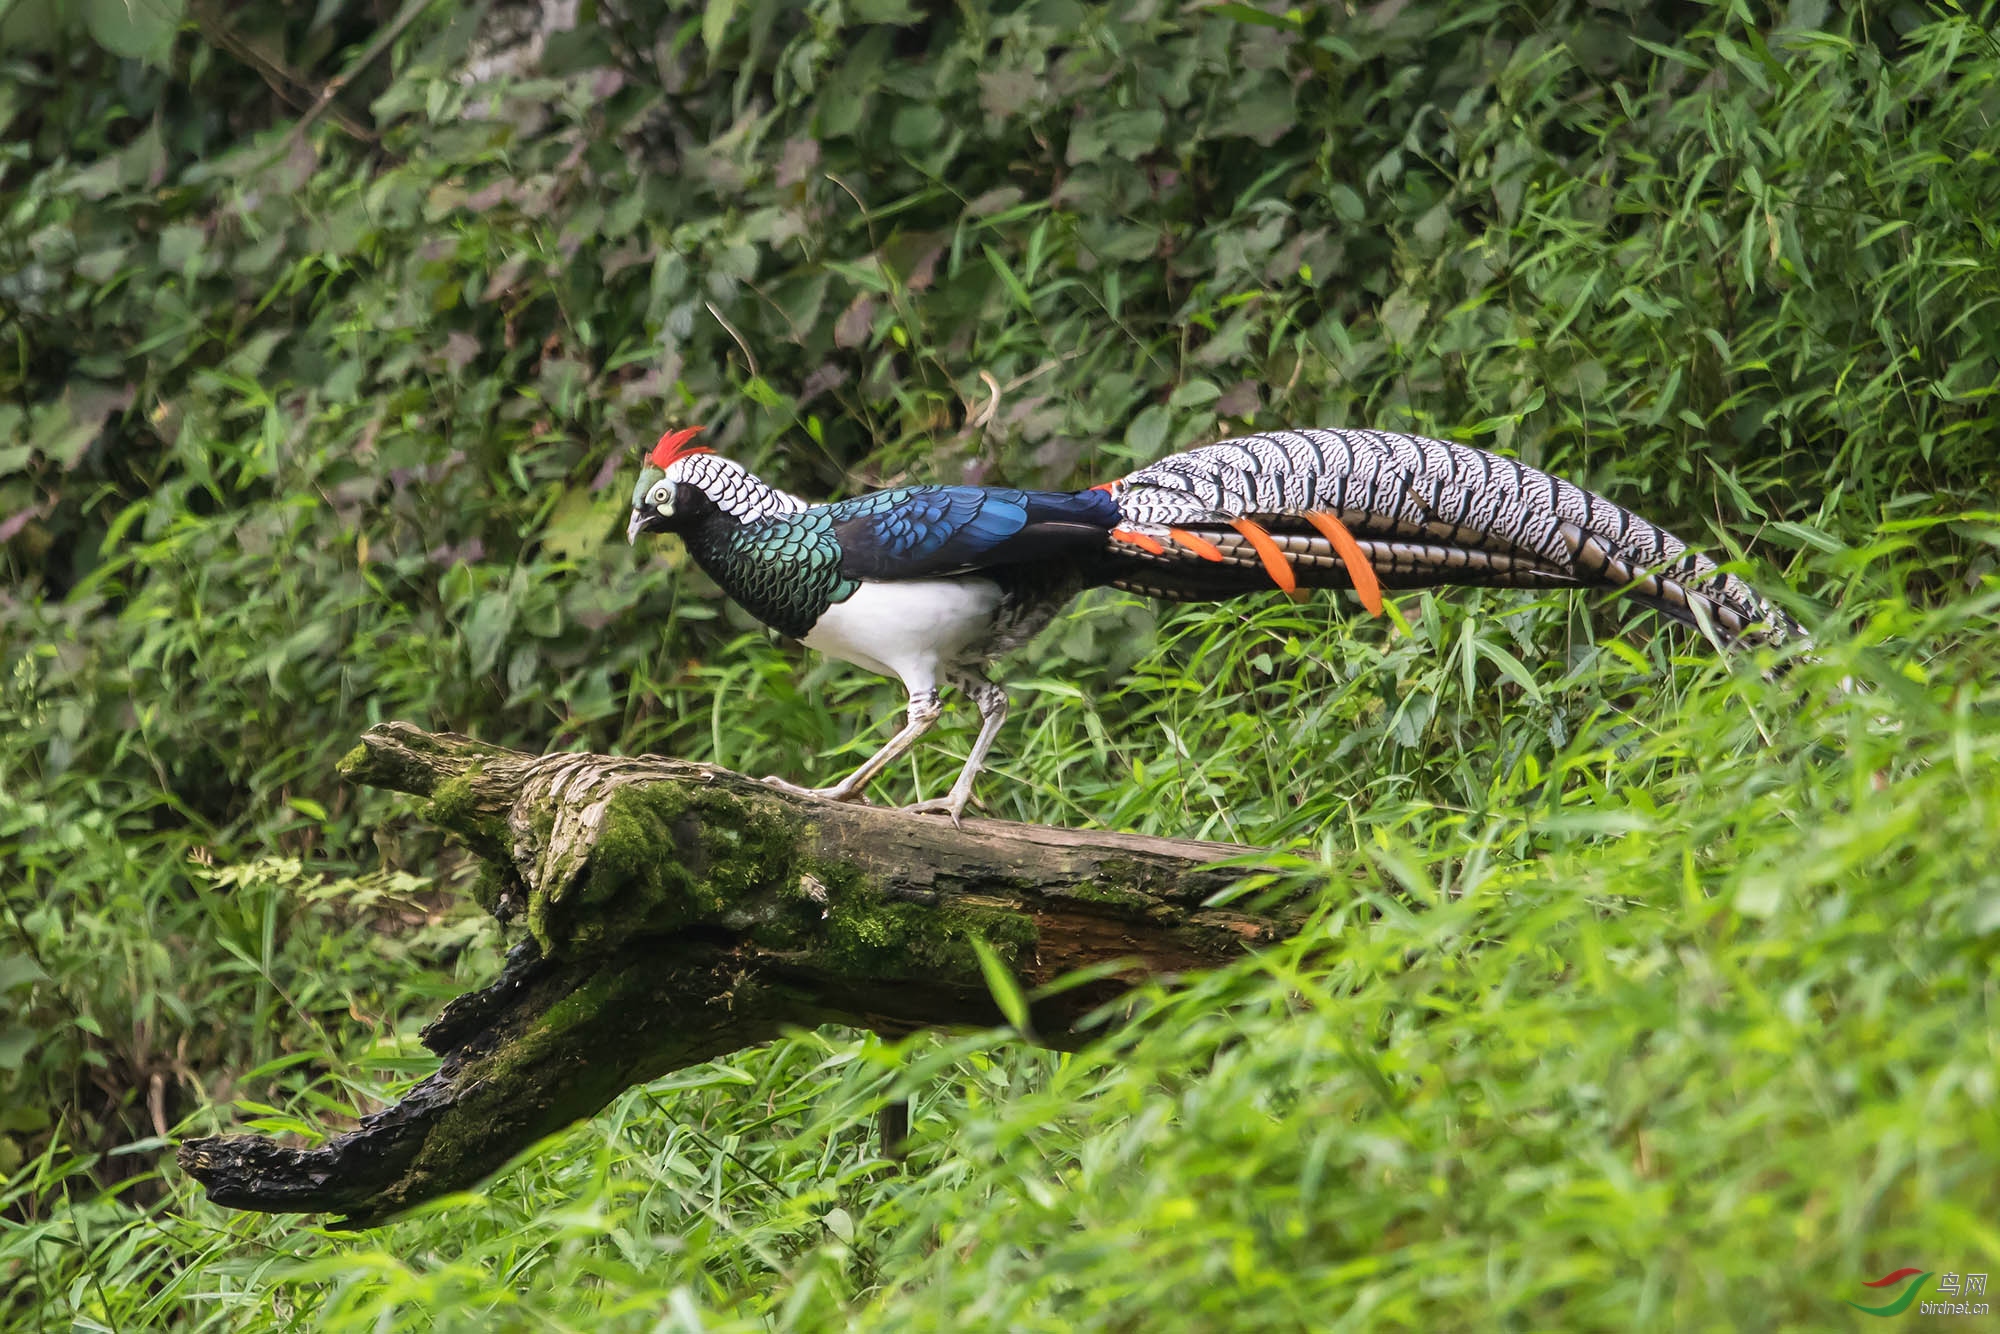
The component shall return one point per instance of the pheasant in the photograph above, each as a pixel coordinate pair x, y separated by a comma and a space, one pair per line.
930, 584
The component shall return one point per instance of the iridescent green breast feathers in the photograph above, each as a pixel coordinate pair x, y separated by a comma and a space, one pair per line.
784, 570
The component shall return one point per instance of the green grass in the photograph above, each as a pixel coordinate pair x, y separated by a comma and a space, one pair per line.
1686, 1023
1647, 992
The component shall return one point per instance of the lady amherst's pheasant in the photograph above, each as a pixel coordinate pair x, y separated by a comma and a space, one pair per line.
930, 584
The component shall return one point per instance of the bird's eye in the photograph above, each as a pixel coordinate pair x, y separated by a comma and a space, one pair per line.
661, 498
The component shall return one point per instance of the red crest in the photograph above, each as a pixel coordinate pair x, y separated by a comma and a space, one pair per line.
674, 446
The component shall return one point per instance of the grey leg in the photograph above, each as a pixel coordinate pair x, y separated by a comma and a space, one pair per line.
924, 711
992, 703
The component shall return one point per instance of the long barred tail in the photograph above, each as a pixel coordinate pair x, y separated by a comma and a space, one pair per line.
1341, 509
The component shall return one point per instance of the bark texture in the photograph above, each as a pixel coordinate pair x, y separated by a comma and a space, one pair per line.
677, 912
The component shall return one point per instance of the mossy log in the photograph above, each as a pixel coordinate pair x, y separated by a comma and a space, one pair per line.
677, 912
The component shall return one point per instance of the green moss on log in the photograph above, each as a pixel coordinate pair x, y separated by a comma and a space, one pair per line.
491, 888
454, 805
669, 856
566, 1062
868, 936
1130, 902
351, 763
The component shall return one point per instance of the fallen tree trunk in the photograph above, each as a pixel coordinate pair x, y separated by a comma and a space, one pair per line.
677, 912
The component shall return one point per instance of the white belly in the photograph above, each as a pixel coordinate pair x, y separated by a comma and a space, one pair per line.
910, 629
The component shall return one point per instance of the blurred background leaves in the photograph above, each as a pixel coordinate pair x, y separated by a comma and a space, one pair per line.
328, 338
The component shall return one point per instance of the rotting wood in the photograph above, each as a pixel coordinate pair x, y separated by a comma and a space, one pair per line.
677, 912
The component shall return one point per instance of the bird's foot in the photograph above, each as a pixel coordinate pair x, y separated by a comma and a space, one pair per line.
838, 792
952, 804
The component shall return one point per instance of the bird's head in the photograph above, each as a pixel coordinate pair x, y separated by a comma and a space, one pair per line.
684, 486
661, 500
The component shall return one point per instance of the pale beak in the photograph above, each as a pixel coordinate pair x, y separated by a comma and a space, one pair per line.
634, 528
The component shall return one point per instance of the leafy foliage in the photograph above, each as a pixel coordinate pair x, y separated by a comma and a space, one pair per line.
1648, 992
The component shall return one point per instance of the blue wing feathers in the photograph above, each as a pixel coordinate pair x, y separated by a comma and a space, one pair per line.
924, 531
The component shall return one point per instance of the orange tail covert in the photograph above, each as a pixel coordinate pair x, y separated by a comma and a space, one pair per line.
1349, 550
1267, 551
1143, 541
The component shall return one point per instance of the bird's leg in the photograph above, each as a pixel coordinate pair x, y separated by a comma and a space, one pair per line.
992, 702
924, 711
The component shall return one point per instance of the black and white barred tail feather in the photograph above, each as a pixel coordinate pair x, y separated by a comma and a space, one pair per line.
1422, 512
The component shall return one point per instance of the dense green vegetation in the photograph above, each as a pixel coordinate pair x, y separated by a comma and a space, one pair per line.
1648, 993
